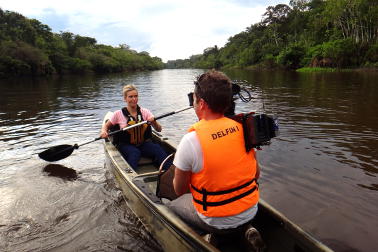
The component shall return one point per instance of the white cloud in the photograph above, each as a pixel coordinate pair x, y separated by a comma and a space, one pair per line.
169, 29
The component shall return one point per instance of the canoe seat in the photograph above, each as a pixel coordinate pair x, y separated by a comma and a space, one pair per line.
146, 165
145, 161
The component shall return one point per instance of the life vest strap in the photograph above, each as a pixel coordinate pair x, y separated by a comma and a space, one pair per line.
205, 193
224, 191
205, 203
204, 199
127, 114
135, 136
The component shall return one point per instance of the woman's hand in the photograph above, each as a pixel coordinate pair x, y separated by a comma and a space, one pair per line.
104, 133
105, 129
154, 124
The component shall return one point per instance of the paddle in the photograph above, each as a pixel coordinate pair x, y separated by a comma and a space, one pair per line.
59, 152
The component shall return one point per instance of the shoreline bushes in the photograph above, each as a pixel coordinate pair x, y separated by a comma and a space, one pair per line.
29, 48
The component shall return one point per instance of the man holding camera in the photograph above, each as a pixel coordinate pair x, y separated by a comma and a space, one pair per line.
215, 177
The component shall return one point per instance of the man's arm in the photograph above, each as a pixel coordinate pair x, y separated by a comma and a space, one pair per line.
257, 175
181, 181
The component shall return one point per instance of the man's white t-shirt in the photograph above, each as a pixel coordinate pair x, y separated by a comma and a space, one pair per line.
189, 157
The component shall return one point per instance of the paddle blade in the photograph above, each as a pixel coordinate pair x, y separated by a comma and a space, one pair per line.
57, 152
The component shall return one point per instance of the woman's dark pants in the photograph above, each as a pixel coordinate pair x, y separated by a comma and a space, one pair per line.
133, 153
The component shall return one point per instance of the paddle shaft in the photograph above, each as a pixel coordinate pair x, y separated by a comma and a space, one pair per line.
62, 151
137, 125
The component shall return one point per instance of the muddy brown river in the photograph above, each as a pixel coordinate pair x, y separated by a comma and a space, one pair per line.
321, 172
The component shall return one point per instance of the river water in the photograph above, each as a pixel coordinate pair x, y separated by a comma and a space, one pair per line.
321, 172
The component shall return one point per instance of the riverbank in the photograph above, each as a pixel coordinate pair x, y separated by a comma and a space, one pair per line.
275, 67
329, 69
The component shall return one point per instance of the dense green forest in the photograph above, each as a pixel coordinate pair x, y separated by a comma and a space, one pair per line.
308, 33
28, 47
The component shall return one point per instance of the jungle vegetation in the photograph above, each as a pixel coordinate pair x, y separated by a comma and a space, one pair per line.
28, 47
305, 33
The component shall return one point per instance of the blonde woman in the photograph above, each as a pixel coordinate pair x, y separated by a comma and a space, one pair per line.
135, 143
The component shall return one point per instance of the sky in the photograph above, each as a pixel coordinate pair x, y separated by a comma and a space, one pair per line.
168, 29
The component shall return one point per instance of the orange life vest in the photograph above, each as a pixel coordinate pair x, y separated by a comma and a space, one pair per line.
226, 185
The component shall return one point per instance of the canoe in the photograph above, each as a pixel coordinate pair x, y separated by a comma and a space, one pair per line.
173, 234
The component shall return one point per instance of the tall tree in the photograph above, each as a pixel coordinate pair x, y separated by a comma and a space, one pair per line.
356, 19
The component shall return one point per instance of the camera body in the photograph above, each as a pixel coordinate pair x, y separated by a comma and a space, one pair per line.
258, 129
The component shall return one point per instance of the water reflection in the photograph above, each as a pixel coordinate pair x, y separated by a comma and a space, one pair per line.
60, 171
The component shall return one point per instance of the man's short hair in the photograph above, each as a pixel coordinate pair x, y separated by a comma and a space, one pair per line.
215, 89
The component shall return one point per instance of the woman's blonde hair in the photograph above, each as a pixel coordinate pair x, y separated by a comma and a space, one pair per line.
128, 88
